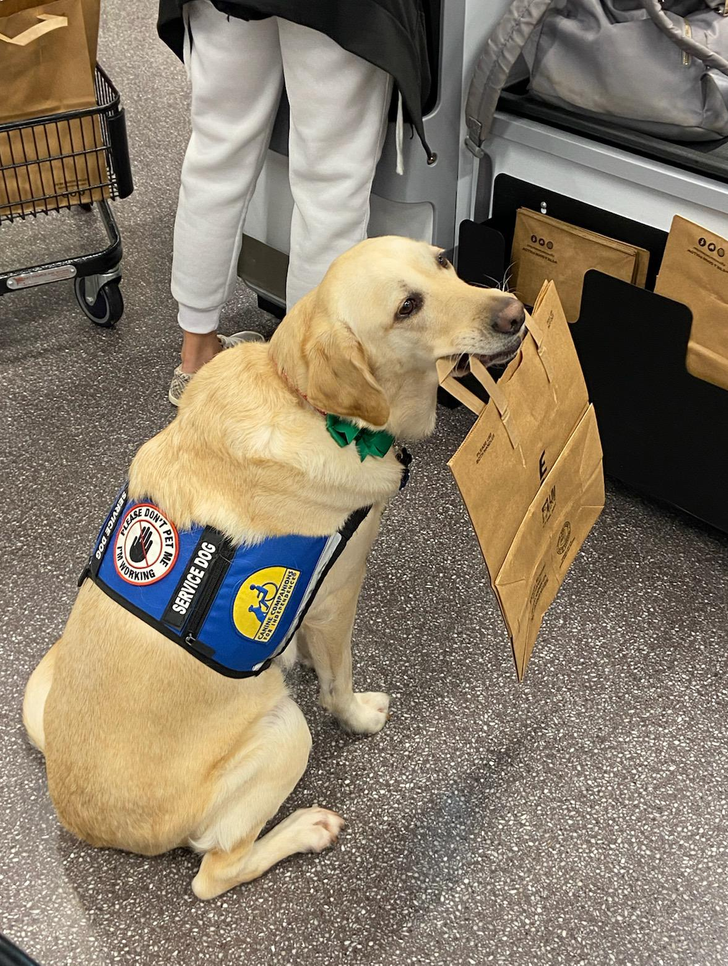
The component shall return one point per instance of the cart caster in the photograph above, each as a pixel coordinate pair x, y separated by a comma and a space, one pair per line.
108, 306
86, 206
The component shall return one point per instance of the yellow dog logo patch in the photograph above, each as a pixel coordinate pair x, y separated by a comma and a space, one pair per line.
262, 600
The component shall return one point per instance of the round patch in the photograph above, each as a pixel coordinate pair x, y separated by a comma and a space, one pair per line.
146, 545
261, 600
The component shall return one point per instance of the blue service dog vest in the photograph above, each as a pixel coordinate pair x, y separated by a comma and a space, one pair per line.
233, 608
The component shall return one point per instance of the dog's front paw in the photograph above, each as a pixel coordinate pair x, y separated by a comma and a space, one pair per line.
366, 713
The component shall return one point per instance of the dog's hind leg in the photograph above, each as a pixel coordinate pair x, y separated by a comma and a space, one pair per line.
306, 830
36, 693
251, 789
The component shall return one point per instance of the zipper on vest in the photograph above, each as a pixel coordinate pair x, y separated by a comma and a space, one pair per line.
202, 606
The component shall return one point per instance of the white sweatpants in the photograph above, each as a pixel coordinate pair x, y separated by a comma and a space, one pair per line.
339, 106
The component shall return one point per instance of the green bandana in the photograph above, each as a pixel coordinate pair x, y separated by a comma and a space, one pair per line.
369, 442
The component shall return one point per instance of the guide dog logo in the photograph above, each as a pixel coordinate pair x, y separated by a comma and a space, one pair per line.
261, 601
146, 546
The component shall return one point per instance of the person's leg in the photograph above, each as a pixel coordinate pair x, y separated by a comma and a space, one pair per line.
339, 106
236, 76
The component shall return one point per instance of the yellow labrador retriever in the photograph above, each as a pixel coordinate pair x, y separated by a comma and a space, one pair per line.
147, 749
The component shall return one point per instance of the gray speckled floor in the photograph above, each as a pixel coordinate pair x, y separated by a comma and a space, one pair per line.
579, 818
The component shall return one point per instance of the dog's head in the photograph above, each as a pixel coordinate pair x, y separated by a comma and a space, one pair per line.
365, 342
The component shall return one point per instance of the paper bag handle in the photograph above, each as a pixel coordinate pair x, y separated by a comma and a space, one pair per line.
456, 388
539, 338
496, 393
469, 399
49, 22
499, 398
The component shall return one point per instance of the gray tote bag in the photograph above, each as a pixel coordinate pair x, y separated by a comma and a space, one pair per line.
660, 69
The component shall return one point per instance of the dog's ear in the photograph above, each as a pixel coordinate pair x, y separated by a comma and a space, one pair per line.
340, 379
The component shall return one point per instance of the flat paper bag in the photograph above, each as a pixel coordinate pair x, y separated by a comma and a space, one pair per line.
545, 247
530, 472
694, 271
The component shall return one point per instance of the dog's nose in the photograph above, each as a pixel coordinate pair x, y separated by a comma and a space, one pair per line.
510, 318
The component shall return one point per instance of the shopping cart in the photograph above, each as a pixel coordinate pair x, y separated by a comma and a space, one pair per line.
72, 159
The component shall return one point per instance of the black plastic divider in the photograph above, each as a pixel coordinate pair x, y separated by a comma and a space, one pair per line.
663, 431
480, 261
482, 253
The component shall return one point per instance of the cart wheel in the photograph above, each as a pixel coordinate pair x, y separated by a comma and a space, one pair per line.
86, 206
108, 307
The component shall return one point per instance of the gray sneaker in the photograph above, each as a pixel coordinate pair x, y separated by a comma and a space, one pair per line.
181, 380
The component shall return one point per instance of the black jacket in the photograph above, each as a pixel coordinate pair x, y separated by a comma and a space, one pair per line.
391, 34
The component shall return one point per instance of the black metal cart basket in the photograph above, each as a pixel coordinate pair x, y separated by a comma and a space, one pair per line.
72, 159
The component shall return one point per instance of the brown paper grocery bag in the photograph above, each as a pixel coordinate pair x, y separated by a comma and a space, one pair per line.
44, 61
530, 471
63, 164
91, 16
694, 271
544, 247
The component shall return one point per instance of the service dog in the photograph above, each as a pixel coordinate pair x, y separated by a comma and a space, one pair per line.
149, 748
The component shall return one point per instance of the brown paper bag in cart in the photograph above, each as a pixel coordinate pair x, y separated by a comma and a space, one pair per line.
530, 470
44, 61
63, 164
91, 18
45, 68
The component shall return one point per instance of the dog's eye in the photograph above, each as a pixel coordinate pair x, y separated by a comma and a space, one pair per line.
407, 307
412, 304
443, 260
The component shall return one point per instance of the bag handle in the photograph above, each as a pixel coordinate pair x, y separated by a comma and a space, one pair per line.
539, 337
469, 399
456, 388
693, 47
49, 22
494, 390
499, 399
